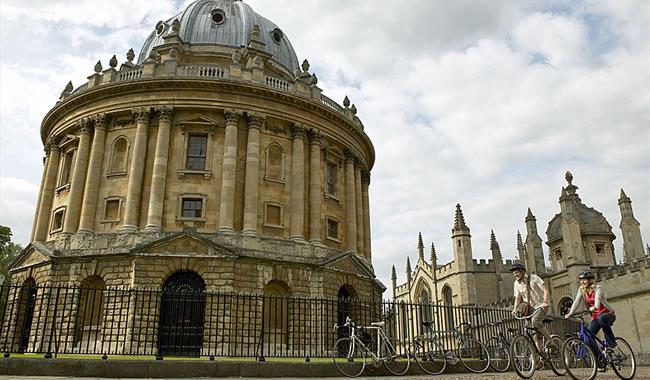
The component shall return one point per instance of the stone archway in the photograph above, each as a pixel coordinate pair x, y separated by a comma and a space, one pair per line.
26, 306
345, 298
182, 313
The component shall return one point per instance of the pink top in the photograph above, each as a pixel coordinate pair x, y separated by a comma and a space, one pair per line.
590, 298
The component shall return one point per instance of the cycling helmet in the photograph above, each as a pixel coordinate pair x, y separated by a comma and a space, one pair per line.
517, 266
586, 274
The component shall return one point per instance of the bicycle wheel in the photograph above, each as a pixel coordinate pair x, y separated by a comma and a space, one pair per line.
579, 359
523, 356
554, 356
499, 354
349, 357
395, 362
474, 355
622, 359
429, 356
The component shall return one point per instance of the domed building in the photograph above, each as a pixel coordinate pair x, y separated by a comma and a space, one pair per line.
212, 162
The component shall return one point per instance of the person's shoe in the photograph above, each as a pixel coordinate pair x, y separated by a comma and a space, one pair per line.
602, 367
539, 365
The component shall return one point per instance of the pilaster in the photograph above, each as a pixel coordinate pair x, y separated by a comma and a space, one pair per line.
89, 207
251, 185
159, 175
297, 199
227, 204
78, 181
350, 201
47, 194
136, 170
315, 184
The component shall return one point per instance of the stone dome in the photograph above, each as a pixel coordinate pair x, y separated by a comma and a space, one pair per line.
224, 23
592, 222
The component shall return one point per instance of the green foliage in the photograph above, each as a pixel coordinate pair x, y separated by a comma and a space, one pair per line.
8, 251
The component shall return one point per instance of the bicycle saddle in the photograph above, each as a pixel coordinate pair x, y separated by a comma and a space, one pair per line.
378, 324
513, 329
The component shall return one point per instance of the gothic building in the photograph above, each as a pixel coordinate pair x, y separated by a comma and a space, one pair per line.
214, 160
578, 238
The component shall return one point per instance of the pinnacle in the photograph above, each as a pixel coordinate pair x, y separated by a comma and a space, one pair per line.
408, 266
530, 214
623, 195
459, 223
393, 275
420, 244
434, 256
520, 244
494, 245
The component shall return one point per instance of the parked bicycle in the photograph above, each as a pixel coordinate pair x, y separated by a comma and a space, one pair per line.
582, 362
432, 357
499, 346
526, 357
353, 353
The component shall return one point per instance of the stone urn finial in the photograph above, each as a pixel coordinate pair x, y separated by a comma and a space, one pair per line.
314, 80
68, 87
130, 55
305, 65
569, 177
353, 109
346, 102
255, 32
176, 26
113, 62
98, 67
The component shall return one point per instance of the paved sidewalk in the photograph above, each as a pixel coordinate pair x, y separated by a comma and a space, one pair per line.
643, 373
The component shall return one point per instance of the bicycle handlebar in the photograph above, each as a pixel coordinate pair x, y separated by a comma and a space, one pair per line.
528, 316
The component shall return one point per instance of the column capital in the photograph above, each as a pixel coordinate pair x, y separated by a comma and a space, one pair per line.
298, 131
84, 126
365, 177
315, 136
52, 144
232, 115
100, 120
141, 114
350, 156
166, 113
255, 120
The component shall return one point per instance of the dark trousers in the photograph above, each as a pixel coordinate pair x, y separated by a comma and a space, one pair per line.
604, 321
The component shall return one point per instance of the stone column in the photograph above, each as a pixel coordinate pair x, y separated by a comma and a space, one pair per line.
159, 175
78, 179
359, 204
350, 202
136, 170
227, 204
251, 186
38, 198
297, 205
365, 184
52, 155
315, 187
89, 206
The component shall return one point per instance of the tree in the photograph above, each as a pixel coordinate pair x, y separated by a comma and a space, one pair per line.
8, 250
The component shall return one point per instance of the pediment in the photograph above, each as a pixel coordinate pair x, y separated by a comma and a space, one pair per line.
349, 263
197, 119
28, 257
185, 244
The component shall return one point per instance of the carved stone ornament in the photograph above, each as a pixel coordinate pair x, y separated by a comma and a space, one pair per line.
353, 109
255, 120
346, 102
255, 32
84, 126
101, 120
275, 129
298, 131
313, 80
166, 113
365, 177
176, 26
315, 136
305, 66
232, 116
51, 144
98, 67
130, 55
141, 114
236, 57
113, 62
349, 155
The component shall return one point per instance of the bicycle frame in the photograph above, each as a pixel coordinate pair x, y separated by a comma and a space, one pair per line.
381, 336
591, 340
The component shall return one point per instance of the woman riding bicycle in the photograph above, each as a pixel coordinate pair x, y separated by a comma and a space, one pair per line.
602, 313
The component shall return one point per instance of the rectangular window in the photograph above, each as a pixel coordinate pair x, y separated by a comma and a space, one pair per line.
600, 249
112, 210
273, 215
332, 229
192, 208
66, 170
57, 220
331, 177
196, 152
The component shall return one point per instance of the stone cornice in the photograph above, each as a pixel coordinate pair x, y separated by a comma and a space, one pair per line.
148, 85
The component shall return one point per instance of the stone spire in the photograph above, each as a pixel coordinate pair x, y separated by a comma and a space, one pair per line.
459, 222
534, 253
494, 247
408, 269
420, 247
434, 257
630, 229
393, 278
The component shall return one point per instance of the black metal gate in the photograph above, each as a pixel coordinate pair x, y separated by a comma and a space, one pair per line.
27, 304
182, 313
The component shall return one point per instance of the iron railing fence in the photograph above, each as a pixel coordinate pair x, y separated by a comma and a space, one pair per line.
63, 319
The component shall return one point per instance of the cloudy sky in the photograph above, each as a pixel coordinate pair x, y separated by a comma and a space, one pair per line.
482, 103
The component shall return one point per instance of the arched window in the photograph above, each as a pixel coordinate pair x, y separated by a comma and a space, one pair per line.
90, 312
448, 300
119, 156
276, 312
274, 163
426, 314
565, 305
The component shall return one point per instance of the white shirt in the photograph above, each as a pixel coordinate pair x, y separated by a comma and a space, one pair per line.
536, 290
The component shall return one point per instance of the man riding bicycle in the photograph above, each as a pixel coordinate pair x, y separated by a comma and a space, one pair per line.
532, 296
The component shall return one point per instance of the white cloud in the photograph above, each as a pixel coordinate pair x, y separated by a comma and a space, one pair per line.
17, 206
485, 104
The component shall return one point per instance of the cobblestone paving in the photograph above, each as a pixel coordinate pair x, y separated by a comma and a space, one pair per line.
643, 373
